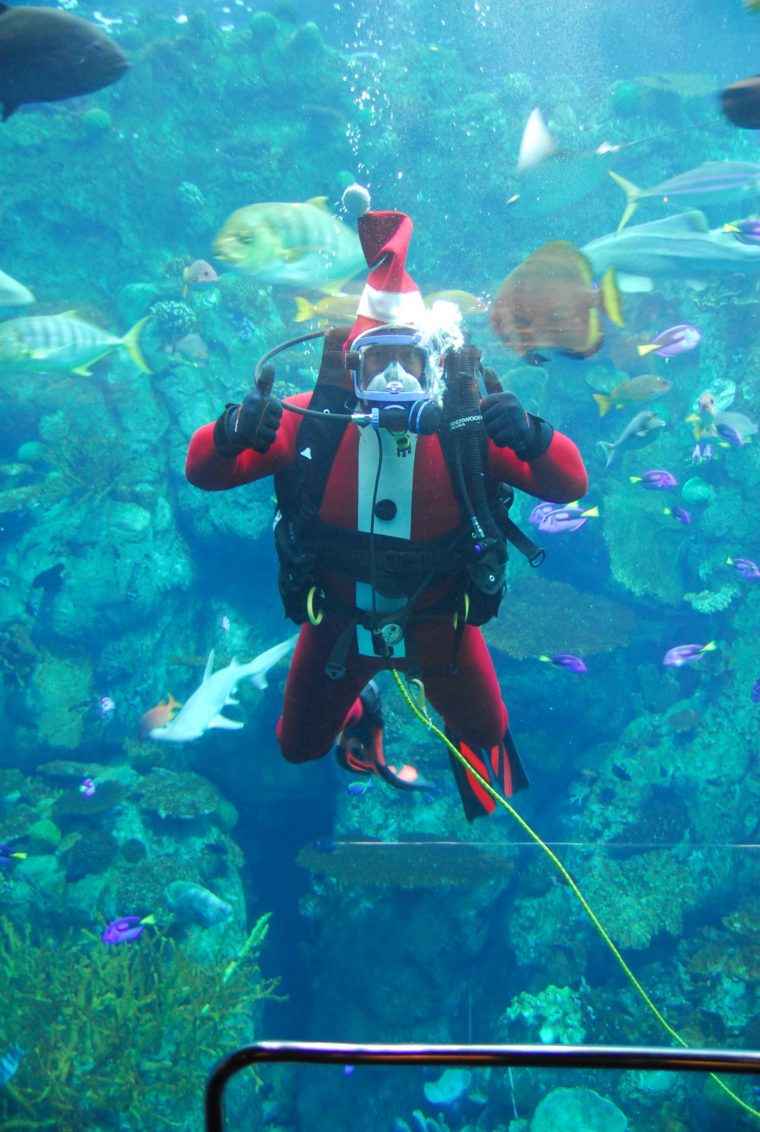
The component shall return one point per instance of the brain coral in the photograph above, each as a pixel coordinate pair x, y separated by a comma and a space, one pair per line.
539, 616
171, 794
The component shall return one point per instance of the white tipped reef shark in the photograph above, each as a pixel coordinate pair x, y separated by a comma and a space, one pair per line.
204, 708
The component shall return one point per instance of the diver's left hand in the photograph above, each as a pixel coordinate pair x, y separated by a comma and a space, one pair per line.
510, 426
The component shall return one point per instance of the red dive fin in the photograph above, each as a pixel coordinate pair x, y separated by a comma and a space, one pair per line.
501, 767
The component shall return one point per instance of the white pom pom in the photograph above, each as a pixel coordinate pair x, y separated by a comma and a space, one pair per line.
356, 199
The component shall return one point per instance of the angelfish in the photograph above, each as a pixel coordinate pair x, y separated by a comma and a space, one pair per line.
549, 302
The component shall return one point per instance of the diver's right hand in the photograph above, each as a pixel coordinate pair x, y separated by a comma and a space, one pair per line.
253, 424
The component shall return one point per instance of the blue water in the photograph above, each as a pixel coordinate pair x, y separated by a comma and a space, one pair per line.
117, 579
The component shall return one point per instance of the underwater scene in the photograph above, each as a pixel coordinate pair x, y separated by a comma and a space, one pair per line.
184, 868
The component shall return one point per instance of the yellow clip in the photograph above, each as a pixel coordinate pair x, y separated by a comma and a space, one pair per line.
417, 691
466, 611
314, 618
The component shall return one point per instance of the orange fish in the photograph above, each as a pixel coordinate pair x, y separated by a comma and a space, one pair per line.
158, 716
549, 302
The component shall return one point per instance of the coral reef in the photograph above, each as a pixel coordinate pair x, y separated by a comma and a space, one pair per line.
540, 615
637, 898
182, 796
577, 1110
114, 569
415, 865
113, 1033
555, 1011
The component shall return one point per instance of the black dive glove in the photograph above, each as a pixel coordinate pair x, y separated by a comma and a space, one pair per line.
509, 426
253, 425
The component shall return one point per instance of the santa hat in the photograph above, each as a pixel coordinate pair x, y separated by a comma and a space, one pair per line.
390, 294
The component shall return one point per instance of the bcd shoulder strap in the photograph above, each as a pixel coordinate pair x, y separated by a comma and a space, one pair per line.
301, 486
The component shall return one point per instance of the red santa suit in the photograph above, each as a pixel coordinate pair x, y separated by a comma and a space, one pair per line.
424, 508
377, 488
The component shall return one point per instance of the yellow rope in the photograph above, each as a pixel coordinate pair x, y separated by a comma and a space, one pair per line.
422, 715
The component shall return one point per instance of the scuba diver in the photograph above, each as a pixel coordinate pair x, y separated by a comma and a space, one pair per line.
393, 480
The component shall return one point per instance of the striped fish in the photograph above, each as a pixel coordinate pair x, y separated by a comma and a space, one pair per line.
63, 342
9, 1063
298, 245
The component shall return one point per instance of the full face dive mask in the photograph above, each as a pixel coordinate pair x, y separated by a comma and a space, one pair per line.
391, 375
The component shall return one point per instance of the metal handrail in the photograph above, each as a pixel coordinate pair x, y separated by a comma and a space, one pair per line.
536, 1056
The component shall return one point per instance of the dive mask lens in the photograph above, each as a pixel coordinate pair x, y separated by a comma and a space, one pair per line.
395, 369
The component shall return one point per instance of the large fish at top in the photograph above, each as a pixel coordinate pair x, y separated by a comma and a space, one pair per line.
47, 55
298, 245
681, 247
549, 302
715, 182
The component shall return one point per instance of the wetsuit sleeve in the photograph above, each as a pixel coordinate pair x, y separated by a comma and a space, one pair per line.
558, 476
205, 468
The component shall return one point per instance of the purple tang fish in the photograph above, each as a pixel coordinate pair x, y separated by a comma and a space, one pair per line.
755, 693
126, 929
745, 566
655, 478
8, 853
540, 511
673, 341
686, 654
746, 231
678, 513
566, 660
569, 518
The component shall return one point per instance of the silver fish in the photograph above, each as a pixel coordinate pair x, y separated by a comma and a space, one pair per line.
640, 431
681, 246
63, 342
715, 182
